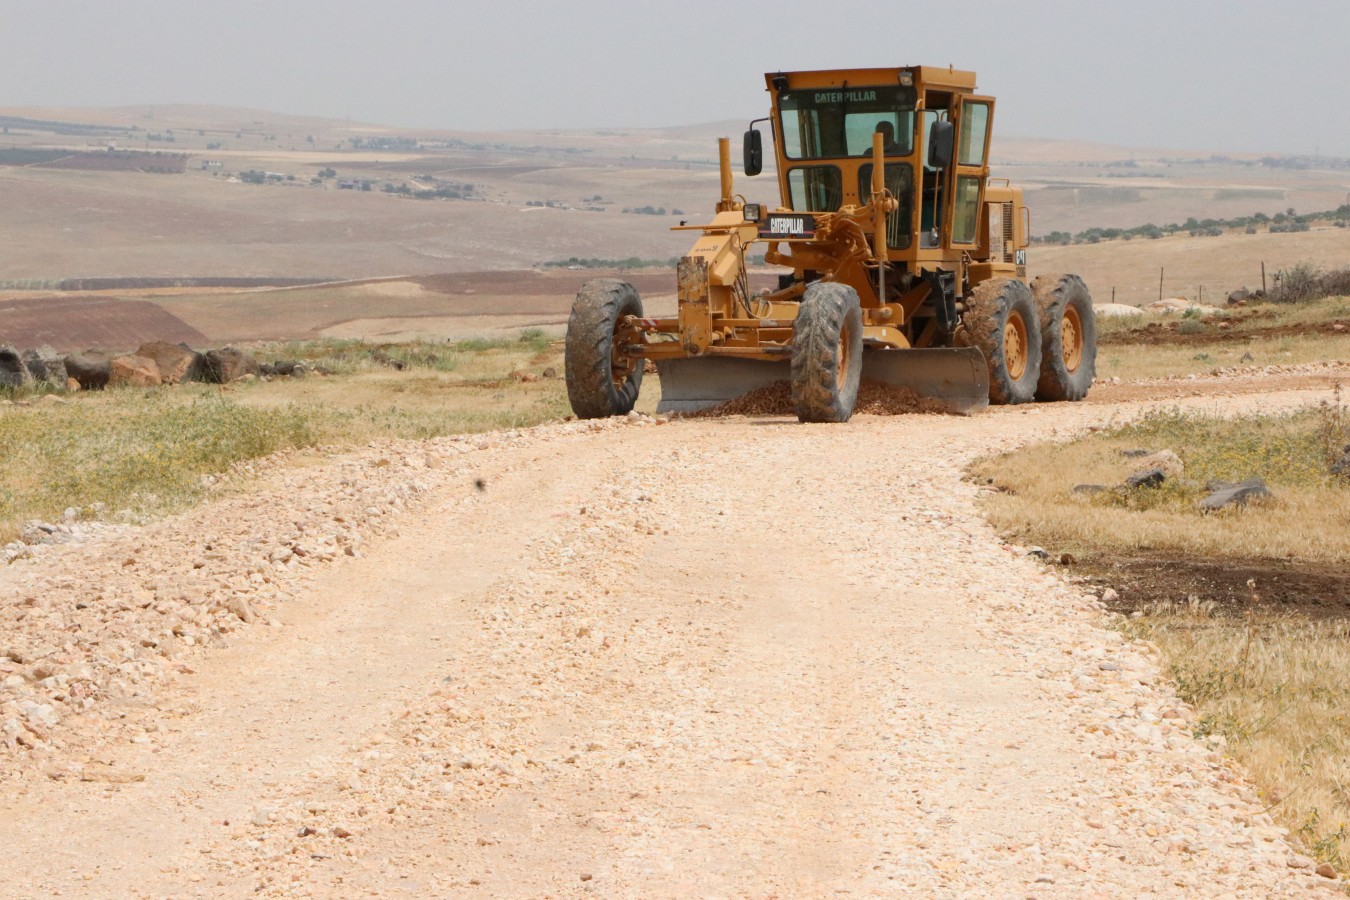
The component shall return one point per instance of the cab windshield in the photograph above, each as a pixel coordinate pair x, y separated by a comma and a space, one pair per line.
829, 123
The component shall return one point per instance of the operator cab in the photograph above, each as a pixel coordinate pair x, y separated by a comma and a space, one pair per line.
935, 138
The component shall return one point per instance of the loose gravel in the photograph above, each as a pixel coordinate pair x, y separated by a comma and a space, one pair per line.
726, 657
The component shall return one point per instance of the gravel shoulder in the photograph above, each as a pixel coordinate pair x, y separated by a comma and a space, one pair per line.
728, 657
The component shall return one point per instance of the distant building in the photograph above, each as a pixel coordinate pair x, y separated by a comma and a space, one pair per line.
212, 164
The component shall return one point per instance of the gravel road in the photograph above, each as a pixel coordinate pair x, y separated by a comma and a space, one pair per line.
716, 658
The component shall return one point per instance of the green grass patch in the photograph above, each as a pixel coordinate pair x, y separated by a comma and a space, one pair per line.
129, 453
1293, 451
139, 454
1304, 519
347, 357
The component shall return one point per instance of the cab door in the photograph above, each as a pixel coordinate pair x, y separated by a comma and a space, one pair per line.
974, 118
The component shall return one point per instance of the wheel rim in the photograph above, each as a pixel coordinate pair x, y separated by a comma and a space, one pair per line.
1015, 345
1071, 339
845, 355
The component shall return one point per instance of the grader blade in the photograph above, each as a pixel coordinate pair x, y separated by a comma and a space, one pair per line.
957, 376
688, 385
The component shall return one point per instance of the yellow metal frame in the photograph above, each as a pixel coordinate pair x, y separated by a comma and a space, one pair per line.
717, 316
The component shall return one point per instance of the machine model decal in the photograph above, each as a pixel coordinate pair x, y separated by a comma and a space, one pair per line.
845, 96
797, 225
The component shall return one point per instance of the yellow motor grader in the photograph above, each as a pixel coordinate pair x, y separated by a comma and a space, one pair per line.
907, 265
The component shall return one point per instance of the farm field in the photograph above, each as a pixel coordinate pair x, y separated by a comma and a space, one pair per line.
206, 222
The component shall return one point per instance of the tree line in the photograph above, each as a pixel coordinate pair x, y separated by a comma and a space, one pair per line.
1287, 221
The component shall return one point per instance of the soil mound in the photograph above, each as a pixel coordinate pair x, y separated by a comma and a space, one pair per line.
875, 398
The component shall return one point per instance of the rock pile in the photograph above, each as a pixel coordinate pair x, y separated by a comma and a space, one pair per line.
153, 363
1242, 296
1156, 468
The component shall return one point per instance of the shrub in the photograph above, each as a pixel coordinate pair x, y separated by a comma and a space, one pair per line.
1306, 281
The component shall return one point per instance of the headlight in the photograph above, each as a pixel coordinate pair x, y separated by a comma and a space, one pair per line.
753, 212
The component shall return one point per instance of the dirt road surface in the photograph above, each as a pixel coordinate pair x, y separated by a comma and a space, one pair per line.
715, 658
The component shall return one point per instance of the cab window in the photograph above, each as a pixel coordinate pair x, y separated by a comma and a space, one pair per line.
838, 122
967, 209
816, 188
974, 130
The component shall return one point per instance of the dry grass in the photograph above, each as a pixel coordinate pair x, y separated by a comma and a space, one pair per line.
1242, 319
1190, 265
1138, 361
128, 454
1141, 360
1274, 689
1309, 516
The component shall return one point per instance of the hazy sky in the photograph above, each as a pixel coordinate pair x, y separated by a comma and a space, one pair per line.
1238, 75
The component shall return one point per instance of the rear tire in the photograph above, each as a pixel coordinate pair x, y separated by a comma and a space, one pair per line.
827, 349
601, 380
1001, 320
1068, 337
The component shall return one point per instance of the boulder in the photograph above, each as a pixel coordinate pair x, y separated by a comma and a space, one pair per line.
1341, 466
385, 359
1148, 478
1115, 310
286, 368
13, 372
1240, 297
91, 369
177, 362
228, 364
1165, 460
45, 364
1238, 494
133, 371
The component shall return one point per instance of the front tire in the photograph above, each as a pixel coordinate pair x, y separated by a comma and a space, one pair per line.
602, 380
1001, 320
1068, 337
827, 349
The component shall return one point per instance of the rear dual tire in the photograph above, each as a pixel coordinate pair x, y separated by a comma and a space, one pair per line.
1002, 322
1068, 337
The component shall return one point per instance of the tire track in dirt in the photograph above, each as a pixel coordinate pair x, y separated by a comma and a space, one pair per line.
363, 638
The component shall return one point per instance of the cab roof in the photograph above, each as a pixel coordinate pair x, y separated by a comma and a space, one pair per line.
935, 77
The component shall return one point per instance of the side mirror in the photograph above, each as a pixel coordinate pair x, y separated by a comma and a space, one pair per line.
941, 142
753, 151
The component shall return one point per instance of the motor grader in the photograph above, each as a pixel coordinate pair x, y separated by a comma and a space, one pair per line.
906, 263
